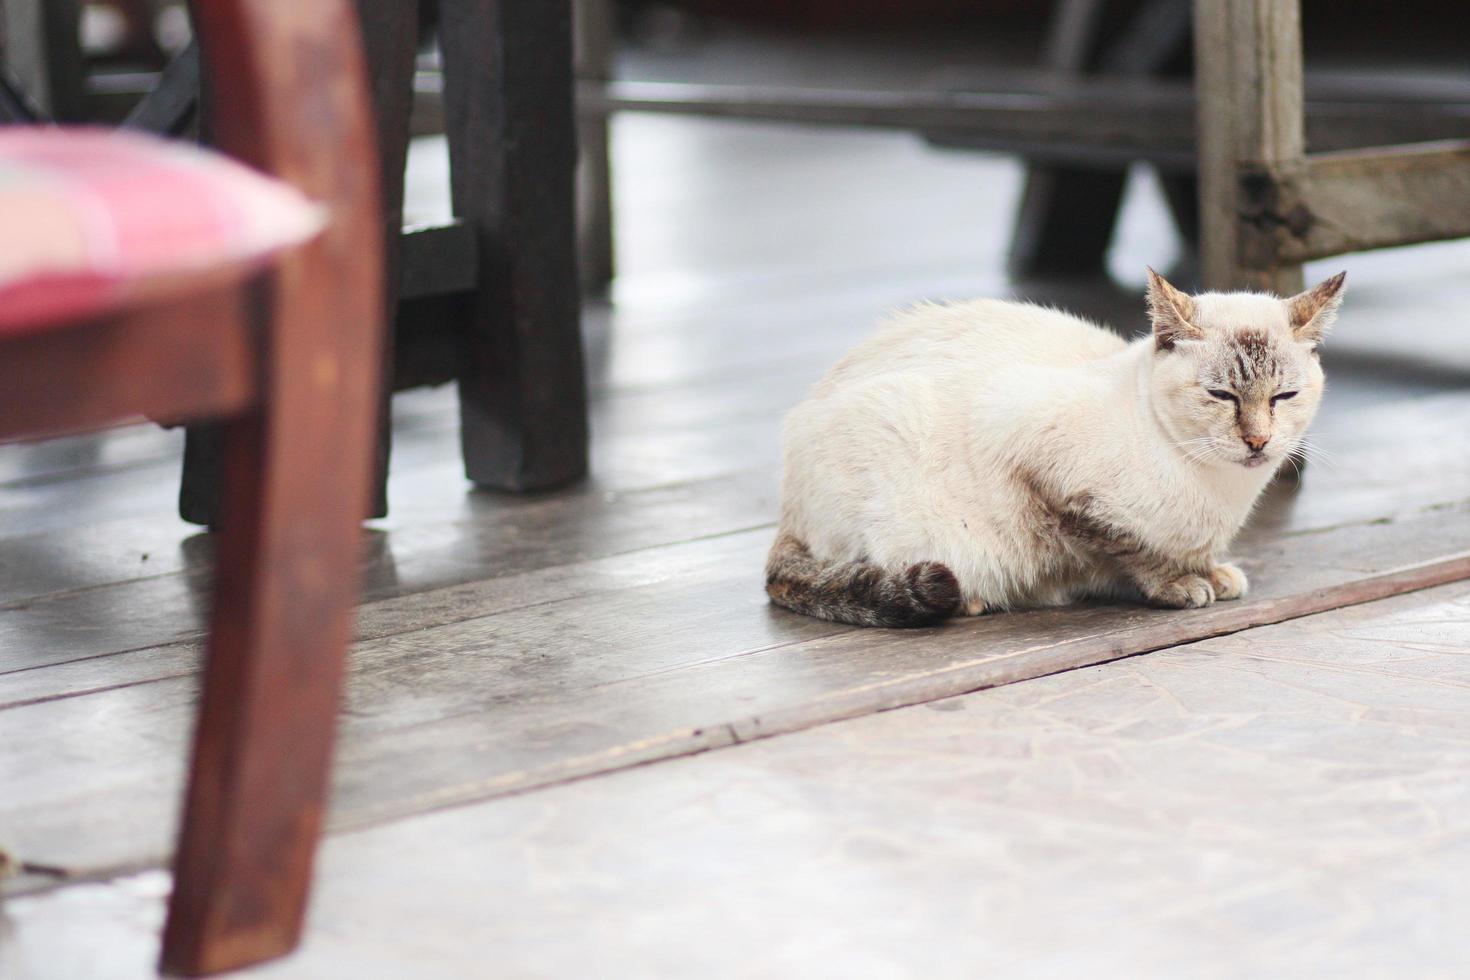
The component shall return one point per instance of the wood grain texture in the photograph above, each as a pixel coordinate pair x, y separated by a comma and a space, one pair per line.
1324, 756
1356, 200
1266, 206
80, 628
679, 460
289, 368
1090, 121
512, 139
1248, 72
153, 360
594, 666
294, 83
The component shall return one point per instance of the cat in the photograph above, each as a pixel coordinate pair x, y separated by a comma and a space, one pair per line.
992, 455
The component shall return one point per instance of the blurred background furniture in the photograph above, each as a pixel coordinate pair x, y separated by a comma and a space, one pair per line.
1267, 204
288, 366
488, 299
1112, 88
1108, 88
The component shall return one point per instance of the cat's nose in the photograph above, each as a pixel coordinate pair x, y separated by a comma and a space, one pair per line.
1257, 443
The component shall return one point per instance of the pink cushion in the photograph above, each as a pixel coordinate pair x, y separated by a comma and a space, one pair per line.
92, 220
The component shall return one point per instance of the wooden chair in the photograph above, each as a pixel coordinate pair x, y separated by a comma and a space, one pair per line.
289, 366
502, 322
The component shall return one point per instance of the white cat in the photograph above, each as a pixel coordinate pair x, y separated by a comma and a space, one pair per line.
992, 455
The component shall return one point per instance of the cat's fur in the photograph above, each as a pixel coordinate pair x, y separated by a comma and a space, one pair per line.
992, 455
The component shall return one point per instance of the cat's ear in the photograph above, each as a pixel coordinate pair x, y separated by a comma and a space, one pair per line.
1172, 313
1311, 313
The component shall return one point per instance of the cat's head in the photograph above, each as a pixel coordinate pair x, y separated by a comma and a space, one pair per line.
1236, 379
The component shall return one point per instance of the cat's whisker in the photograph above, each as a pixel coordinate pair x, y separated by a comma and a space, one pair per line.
1197, 454
1198, 450
1315, 454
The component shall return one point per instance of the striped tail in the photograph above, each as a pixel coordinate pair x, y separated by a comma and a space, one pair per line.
859, 592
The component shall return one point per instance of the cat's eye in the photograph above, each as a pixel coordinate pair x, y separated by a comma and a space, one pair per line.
1282, 396
1220, 393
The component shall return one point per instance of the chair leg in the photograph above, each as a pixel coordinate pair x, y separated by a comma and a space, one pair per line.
295, 488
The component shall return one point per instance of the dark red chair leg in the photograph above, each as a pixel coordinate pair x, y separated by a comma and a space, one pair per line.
296, 478
295, 491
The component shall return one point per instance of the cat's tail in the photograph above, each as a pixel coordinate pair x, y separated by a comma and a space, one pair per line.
859, 592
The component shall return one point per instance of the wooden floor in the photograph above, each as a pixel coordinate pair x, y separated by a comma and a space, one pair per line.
516, 643
1284, 802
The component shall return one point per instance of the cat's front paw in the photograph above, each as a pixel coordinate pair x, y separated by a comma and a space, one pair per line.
1184, 592
1228, 581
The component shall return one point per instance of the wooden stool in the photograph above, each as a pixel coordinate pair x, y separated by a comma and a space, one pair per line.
489, 300
1266, 205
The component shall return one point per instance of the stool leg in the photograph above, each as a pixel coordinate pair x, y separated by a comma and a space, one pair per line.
512, 144
1066, 216
1248, 79
1248, 84
390, 41
390, 38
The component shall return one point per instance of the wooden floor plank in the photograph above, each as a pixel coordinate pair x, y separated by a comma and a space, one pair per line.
603, 680
1151, 813
427, 546
528, 535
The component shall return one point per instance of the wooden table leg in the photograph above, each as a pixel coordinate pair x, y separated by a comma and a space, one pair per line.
594, 53
1067, 215
1065, 221
390, 34
1248, 73
512, 142
390, 30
